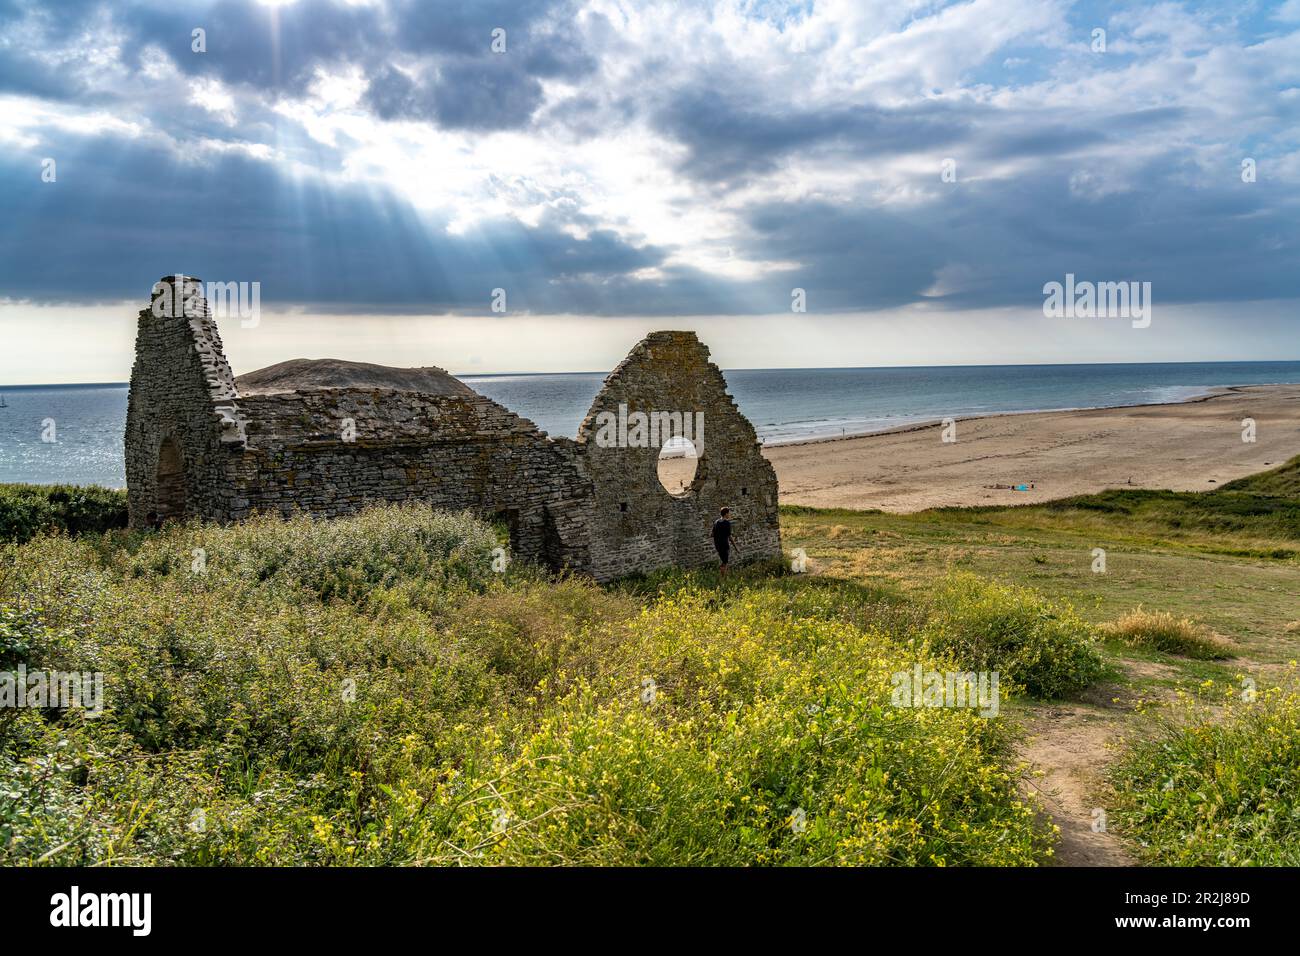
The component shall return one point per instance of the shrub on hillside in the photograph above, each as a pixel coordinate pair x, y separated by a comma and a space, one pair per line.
1216, 787
1039, 645
364, 694
29, 510
347, 558
1162, 631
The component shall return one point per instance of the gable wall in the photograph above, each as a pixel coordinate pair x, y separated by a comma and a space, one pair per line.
636, 524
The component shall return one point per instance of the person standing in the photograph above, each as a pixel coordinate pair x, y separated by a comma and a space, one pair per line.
722, 537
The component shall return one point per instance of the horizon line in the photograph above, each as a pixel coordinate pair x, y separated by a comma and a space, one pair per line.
766, 368
777, 368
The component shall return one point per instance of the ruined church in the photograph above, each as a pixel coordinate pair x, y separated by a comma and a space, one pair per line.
329, 438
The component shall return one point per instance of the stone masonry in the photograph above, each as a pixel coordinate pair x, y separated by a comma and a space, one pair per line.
634, 523
196, 447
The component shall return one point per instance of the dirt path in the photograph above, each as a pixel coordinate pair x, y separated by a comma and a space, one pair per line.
1070, 746
1068, 751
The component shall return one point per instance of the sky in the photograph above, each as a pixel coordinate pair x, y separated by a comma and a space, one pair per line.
911, 173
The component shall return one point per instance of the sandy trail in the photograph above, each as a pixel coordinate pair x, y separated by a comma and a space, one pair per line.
1184, 446
1067, 749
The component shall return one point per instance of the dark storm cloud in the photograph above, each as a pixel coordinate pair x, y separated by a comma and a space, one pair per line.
447, 26
25, 74
276, 50
122, 213
458, 81
729, 138
271, 48
27, 31
1001, 241
464, 95
1139, 184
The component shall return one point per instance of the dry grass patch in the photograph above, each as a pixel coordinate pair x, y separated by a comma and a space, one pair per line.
1162, 631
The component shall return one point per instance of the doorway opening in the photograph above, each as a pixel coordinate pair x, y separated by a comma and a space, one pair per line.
170, 480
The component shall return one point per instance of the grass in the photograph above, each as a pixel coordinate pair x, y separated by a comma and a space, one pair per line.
1280, 482
1162, 631
368, 691
1216, 787
1257, 516
1240, 583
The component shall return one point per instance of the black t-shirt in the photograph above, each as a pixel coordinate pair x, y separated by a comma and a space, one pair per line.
722, 531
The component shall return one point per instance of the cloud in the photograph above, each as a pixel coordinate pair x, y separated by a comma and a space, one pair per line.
307, 240
463, 95
649, 157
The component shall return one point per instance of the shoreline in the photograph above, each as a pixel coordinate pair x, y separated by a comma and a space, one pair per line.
1193, 444
1212, 391
829, 481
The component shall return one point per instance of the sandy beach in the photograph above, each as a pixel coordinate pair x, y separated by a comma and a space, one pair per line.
1185, 446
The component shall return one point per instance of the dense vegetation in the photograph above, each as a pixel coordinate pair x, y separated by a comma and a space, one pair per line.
1043, 647
1217, 788
28, 510
369, 691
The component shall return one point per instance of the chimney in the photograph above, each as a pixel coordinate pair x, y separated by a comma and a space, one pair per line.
178, 296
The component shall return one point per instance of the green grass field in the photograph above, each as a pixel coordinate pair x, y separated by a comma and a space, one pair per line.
1229, 558
1226, 562
367, 691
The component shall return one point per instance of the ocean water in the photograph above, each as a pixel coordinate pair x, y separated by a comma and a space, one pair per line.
784, 404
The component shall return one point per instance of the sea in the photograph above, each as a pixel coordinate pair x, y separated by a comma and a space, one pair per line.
73, 433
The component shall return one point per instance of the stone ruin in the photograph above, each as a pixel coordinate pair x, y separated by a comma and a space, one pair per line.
306, 437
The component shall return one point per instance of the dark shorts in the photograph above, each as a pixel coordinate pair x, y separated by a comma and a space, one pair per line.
724, 550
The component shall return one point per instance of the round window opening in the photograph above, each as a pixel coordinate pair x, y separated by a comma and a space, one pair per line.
677, 464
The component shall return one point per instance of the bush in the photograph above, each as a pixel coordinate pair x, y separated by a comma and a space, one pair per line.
367, 691
29, 510
730, 735
1161, 631
1216, 789
1043, 647
347, 558
20, 630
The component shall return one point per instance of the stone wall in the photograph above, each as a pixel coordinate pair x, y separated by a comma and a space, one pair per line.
636, 524
333, 451
195, 447
181, 391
